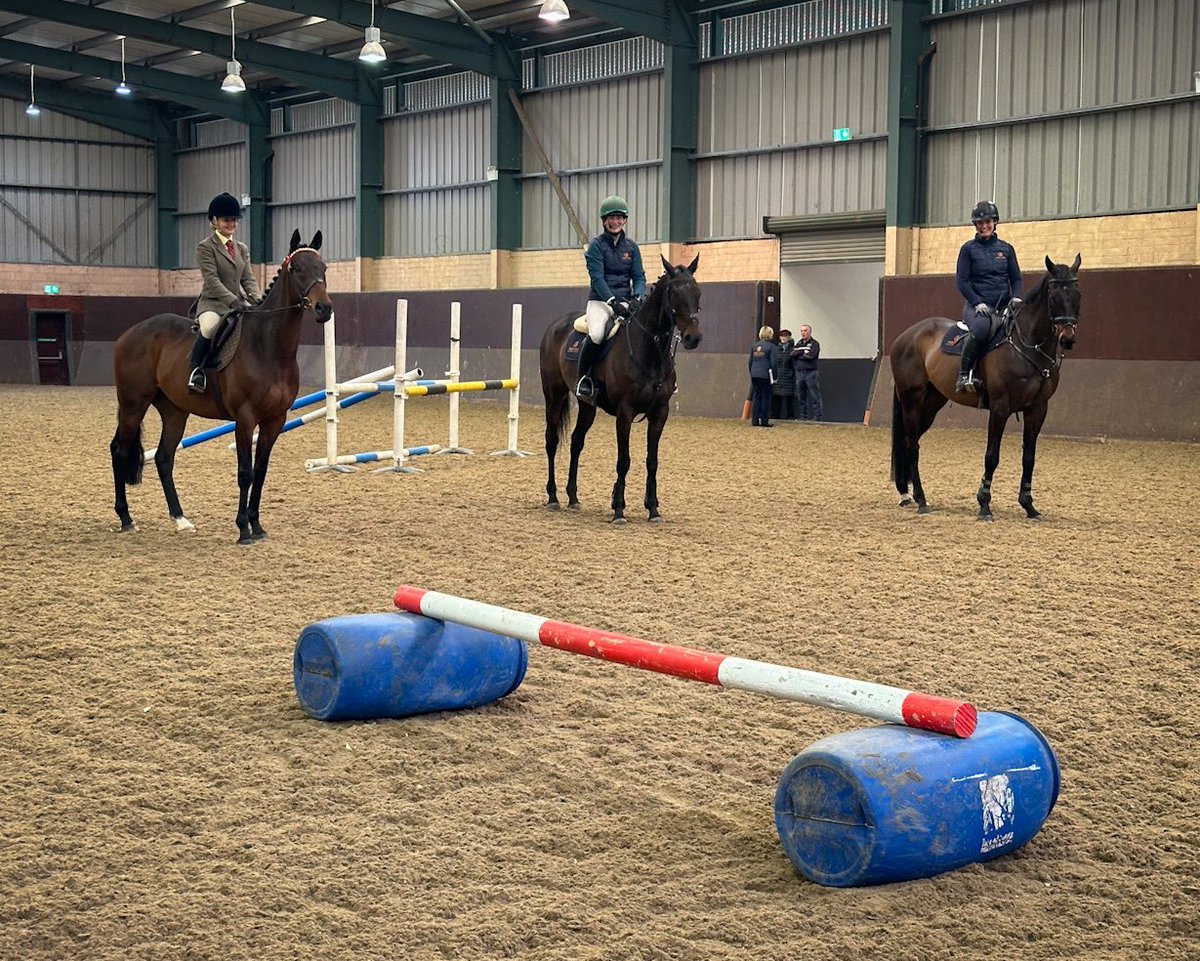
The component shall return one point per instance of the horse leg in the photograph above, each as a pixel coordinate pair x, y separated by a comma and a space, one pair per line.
918, 413
127, 453
583, 422
654, 428
991, 460
268, 433
1034, 418
174, 421
624, 420
244, 436
556, 408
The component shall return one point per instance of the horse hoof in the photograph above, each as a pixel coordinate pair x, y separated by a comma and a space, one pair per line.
1035, 516
906, 502
244, 541
620, 520
553, 506
130, 528
183, 524
575, 507
259, 535
986, 518
924, 509
656, 519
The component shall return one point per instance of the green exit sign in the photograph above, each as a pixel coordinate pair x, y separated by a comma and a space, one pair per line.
841, 133
49, 288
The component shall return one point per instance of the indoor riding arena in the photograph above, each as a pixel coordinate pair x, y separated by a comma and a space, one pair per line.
407, 710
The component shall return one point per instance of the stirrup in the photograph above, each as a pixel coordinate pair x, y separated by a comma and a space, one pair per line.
965, 382
585, 387
198, 381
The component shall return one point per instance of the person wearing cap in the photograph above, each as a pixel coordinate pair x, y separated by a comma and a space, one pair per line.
989, 280
784, 390
227, 282
618, 285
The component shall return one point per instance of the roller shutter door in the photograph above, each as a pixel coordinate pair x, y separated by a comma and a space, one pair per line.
835, 239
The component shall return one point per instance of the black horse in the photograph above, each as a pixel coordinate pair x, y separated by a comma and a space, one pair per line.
1021, 375
256, 388
636, 377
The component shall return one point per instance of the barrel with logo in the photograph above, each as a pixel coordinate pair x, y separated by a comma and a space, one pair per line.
892, 803
395, 665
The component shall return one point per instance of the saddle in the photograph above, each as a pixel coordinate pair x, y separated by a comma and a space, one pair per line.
610, 329
225, 341
575, 341
952, 340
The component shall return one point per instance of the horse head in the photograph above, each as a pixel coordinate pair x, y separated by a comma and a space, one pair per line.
306, 276
682, 301
1062, 299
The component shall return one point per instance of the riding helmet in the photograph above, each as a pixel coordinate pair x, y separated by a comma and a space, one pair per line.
985, 210
613, 205
224, 205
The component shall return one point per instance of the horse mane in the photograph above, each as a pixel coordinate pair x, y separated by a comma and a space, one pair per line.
274, 280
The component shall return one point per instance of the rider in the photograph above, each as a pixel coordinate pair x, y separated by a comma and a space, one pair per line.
228, 282
614, 264
989, 280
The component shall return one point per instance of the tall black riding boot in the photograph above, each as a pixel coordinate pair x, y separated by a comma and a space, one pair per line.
198, 381
585, 390
965, 381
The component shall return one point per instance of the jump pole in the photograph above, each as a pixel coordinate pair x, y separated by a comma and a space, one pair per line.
452, 375
514, 392
892, 704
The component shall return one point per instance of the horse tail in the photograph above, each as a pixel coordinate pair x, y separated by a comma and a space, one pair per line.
564, 417
901, 467
128, 458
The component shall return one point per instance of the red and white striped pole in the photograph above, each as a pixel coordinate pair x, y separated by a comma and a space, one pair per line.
884, 703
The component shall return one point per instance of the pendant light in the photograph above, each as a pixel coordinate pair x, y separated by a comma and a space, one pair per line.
123, 88
233, 82
33, 109
372, 50
554, 11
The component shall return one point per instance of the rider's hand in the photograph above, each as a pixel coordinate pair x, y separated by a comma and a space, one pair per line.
982, 309
238, 304
619, 307
1015, 304
635, 304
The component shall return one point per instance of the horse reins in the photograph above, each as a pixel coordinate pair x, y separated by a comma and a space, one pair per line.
667, 352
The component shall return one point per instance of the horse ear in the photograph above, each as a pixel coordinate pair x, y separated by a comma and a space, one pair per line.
1049, 264
316, 241
666, 264
1075, 265
694, 264
295, 241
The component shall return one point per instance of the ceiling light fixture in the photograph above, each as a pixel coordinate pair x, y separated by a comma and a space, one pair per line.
123, 88
33, 109
233, 82
555, 11
372, 50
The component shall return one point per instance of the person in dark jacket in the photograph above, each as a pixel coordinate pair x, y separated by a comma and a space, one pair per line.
764, 366
784, 391
989, 280
614, 266
808, 382
228, 283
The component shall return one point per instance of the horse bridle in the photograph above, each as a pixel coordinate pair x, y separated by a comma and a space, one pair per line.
287, 262
1059, 323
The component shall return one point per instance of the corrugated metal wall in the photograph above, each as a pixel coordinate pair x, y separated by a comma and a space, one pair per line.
602, 138
1064, 108
766, 132
436, 196
314, 177
72, 192
203, 173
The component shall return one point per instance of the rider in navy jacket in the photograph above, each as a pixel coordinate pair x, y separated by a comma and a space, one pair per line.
989, 280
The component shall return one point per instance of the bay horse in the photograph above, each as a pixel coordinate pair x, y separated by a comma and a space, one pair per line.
1019, 376
635, 378
255, 389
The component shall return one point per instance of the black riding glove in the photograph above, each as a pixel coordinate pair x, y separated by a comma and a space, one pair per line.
635, 304
619, 307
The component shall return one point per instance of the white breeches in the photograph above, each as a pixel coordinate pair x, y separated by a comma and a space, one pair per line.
598, 315
209, 321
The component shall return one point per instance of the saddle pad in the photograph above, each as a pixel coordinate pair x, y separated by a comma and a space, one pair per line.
575, 341
952, 340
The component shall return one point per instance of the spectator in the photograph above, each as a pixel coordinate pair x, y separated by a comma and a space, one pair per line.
784, 391
764, 365
808, 381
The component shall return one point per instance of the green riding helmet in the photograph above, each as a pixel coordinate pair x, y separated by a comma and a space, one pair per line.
613, 205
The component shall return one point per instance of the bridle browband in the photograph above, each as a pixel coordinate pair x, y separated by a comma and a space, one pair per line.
666, 335
305, 303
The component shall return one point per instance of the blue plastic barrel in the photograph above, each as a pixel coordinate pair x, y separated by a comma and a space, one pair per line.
892, 803
396, 665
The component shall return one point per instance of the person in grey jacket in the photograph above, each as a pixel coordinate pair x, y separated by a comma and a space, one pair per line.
764, 366
784, 391
228, 282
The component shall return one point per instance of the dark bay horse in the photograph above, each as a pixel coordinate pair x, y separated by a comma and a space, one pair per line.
636, 377
255, 389
1019, 376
